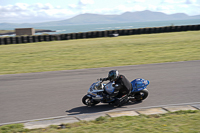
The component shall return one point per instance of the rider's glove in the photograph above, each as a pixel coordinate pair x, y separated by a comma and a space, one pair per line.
103, 79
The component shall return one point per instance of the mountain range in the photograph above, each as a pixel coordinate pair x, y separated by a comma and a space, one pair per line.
87, 18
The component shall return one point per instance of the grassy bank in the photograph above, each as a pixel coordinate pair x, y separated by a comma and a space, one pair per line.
100, 52
6, 31
177, 122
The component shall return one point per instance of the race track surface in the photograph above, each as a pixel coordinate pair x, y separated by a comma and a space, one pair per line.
51, 94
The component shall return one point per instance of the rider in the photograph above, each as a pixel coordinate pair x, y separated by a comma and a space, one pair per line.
125, 85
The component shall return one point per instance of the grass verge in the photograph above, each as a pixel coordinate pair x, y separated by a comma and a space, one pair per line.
100, 52
176, 122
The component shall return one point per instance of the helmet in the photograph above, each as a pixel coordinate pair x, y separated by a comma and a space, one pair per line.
113, 75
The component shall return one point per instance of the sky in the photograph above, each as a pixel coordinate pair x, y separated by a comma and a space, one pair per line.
35, 11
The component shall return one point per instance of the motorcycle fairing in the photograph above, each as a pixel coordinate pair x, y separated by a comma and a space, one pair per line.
109, 88
139, 84
94, 89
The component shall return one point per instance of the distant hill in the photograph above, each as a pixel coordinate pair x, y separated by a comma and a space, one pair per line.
139, 16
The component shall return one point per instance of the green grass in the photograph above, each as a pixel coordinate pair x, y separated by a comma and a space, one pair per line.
99, 52
6, 31
177, 122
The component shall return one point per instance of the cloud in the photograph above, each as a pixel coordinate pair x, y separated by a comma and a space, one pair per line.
13, 8
30, 13
86, 2
189, 7
173, 1
188, 2
81, 4
37, 12
119, 9
135, 1
39, 6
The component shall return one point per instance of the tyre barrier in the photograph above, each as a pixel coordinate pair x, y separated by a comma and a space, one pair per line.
18, 40
12, 40
29, 39
95, 34
46, 38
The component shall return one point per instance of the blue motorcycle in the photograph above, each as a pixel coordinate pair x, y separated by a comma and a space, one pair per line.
100, 92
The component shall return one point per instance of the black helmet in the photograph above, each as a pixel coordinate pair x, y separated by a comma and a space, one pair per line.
113, 75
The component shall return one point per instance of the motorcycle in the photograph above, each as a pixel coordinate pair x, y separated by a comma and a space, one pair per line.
100, 92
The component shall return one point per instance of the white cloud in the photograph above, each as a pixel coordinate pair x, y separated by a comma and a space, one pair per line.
81, 4
128, 1
38, 12
135, 1
119, 9
30, 13
86, 2
173, 1
139, 8
73, 6
139, 1
193, 1
188, 7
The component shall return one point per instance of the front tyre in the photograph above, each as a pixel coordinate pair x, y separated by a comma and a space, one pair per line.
88, 101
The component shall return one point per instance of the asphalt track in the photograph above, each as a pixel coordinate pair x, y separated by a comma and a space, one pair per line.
51, 94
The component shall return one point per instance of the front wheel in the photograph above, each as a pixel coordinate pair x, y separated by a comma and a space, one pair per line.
139, 96
88, 101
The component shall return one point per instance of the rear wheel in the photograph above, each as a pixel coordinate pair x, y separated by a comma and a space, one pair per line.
141, 95
89, 101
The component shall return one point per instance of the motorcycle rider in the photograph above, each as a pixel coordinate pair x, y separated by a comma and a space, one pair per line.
124, 84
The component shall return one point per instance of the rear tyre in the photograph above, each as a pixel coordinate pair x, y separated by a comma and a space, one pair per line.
88, 101
141, 95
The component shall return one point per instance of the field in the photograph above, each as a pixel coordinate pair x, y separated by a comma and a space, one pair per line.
99, 52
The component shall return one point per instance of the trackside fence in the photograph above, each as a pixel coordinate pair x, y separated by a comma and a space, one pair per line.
95, 34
